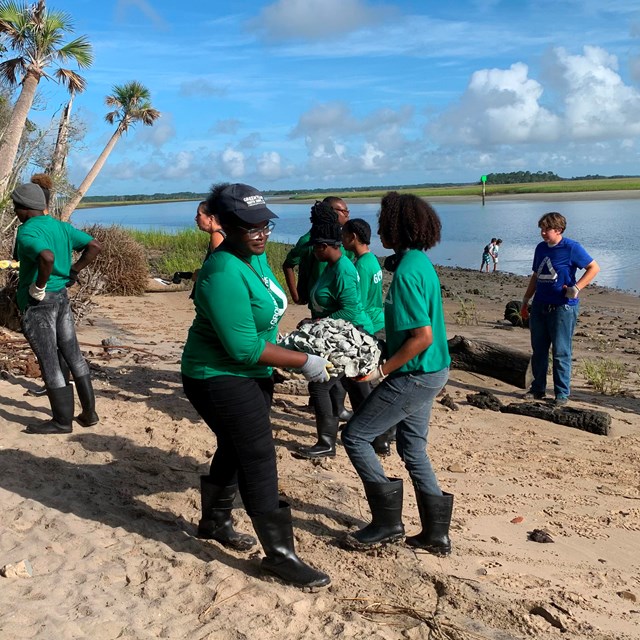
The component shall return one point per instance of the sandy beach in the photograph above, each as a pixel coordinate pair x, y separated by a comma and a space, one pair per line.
106, 516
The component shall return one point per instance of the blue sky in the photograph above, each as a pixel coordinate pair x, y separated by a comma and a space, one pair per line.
338, 93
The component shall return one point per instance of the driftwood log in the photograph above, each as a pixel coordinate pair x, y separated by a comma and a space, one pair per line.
597, 422
490, 359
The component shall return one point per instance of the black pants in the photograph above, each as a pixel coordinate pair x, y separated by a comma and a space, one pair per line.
237, 409
49, 328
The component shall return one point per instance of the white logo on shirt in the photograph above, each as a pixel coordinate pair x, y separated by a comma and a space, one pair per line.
253, 201
550, 273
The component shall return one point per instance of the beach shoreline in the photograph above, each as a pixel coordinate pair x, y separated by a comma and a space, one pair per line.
107, 516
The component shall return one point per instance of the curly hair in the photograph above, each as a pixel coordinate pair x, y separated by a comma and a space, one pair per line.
325, 226
45, 182
360, 228
408, 222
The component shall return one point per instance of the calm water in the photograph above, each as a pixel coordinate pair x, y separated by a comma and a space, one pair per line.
608, 229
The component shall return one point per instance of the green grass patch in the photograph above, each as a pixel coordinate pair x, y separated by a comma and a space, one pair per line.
562, 186
605, 375
185, 251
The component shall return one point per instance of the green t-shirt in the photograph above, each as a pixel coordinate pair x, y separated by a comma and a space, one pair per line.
237, 313
370, 273
44, 233
414, 300
337, 295
309, 267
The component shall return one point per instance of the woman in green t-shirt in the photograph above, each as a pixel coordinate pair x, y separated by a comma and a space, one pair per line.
227, 376
336, 294
415, 372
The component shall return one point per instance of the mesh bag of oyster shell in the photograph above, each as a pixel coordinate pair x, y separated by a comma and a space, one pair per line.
350, 351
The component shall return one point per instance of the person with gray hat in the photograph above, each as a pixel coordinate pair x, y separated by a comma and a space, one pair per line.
45, 249
227, 367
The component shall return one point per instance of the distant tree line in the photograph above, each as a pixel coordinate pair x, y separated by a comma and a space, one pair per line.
146, 197
522, 177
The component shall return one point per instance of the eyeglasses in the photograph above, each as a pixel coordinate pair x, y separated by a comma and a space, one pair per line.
342, 210
255, 233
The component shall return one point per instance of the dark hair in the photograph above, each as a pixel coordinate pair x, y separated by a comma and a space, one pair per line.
493, 240
408, 222
331, 200
325, 227
225, 217
322, 211
360, 228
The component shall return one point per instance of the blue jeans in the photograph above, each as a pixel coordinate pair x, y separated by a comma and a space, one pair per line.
49, 328
552, 326
405, 401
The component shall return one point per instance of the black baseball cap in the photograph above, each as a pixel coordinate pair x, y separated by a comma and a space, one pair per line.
245, 202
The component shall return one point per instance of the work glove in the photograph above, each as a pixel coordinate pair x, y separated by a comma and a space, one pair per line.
524, 310
73, 278
377, 375
36, 292
315, 369
571, 292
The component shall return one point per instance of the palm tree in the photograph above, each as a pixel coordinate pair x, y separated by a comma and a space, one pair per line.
35, 36
132, 105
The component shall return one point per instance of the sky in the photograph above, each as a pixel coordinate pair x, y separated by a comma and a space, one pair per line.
293, 94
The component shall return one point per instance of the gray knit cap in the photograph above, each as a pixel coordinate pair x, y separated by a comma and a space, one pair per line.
29, 196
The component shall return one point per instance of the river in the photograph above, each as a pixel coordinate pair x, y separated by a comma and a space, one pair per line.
608, 229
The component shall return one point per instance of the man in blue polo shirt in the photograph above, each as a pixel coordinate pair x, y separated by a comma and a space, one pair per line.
555, 306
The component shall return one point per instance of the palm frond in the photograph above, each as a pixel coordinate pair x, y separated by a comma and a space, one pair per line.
73, 81
79, 50
10, 70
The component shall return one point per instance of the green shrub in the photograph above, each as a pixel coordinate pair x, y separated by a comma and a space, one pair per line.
467, 314
604, 375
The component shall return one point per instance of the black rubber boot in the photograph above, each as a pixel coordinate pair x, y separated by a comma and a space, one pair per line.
385, 502
338, 394
62, 409
216, 523
435, 516
327, 427
275, 533
382, 444
88, 417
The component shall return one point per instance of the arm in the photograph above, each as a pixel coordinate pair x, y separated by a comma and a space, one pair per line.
276, 356
419, 340
45, 267
591, 271
528, 294
89, 254
290, 278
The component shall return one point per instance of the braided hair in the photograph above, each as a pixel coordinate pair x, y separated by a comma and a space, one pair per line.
324, 224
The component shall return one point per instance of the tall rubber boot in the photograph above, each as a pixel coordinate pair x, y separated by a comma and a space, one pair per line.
216, 523
275, 532
62, 409
64, 367
385, 502
337, 394
88, 417
435, 516
327, 427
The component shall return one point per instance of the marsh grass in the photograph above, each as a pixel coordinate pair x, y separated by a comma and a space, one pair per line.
185, 251
467, 314
605, 375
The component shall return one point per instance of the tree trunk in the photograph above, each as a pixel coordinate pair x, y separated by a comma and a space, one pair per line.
59, 157
70, 207
13, 133
490, 359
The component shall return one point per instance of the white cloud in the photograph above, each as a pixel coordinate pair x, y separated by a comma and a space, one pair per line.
229, 125
270, 166
158, 134
499, 106
317, 19
233, 163
597, 102
370, 157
